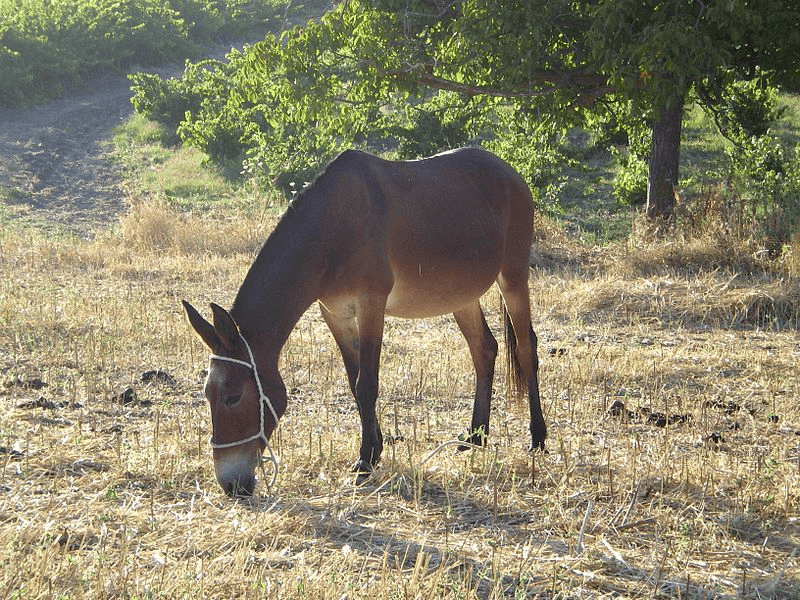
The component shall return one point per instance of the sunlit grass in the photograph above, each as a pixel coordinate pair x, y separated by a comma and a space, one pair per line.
101, 498
158, 166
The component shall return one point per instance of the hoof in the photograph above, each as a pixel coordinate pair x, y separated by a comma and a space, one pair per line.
362, 466
537, 446
363, 471
538, 436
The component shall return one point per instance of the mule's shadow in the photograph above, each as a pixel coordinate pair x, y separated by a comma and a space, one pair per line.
447, 519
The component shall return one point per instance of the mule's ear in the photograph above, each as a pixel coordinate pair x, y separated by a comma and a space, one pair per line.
225, 327
203, 328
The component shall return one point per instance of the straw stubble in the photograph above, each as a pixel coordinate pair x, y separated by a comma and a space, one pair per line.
105, 497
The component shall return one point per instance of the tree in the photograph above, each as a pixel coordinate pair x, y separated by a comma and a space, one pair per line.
661, 54
557, 60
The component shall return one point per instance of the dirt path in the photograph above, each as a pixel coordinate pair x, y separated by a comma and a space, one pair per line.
54, 159
54, 162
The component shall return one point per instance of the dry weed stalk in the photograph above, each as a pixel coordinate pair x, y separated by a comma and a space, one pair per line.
102, 497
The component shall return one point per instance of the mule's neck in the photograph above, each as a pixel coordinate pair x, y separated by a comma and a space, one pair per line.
284, 280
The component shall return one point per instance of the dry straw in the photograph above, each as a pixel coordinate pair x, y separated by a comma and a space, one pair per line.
104, 494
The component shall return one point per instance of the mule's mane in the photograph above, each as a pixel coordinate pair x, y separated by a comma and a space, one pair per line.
308, 205
302, 200
275, 277
308, 199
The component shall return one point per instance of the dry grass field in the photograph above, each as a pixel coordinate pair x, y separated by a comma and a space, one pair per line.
691, 490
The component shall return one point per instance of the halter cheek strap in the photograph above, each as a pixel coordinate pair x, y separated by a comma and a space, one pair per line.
263, 401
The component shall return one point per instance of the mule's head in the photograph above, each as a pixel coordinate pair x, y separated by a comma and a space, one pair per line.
238, 436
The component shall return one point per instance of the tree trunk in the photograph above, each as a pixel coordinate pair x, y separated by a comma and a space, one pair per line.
664, 156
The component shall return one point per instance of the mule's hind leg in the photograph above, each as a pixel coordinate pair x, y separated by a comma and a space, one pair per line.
483, 348
518, 306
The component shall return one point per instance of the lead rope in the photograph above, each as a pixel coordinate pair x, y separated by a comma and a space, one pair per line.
263, 400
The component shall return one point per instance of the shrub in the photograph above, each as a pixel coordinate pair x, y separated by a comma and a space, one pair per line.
746, 109
121, 33
767, 183
432, 128
630, 178
534, 151
47, 47
31, 69
169, 100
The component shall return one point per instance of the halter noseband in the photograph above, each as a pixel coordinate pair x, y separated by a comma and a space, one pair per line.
263, 400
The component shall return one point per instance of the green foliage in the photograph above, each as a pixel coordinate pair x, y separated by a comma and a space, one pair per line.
125, 32
766, 177
47, 46
744, 110
210, 20
653, 49
534, 151
419, 77
169, 100
290, 105
431, 130
163, 100
764, 172
630, 178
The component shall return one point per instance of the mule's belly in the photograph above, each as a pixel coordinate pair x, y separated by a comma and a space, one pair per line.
426, 292
432, 294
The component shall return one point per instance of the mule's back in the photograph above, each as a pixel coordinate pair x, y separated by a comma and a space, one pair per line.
437, 231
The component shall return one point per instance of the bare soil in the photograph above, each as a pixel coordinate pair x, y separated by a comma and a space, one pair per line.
54, 159
55, 168
54, 162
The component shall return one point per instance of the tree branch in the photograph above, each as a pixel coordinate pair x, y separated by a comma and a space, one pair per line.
587, 87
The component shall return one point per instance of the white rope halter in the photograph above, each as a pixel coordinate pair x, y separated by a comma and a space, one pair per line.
263, 400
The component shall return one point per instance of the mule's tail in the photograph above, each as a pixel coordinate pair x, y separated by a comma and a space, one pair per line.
516, 385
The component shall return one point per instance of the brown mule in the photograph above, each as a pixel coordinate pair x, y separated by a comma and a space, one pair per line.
371, 238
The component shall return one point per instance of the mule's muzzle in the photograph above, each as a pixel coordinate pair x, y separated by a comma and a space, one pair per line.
235, 469
241, 486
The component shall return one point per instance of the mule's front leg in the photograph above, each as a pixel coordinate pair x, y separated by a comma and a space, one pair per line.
371, 436
363, 384
370, 326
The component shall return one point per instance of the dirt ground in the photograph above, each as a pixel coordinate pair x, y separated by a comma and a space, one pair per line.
54, 162
54, 159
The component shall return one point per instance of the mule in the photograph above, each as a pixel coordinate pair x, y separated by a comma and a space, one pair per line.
371, 238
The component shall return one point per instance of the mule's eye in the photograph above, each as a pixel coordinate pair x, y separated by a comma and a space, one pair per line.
232, 399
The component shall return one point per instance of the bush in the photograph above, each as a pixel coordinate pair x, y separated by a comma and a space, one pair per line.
209, 21
50, 46
746, 109
30, 69
169, 100
432, 129
47, 47
767, 183
121, 33
533, 150
630, 178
